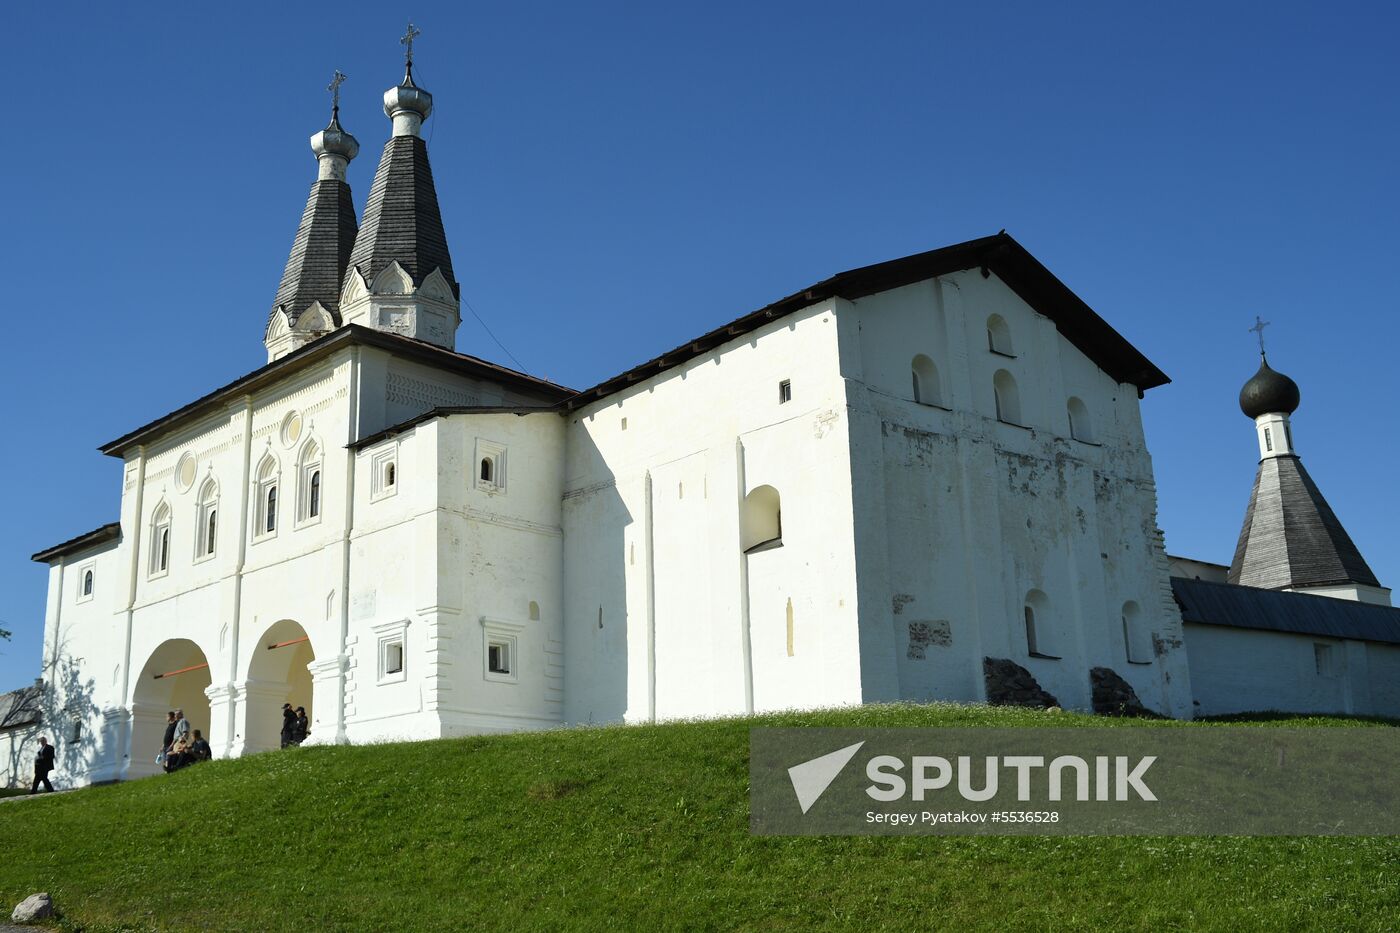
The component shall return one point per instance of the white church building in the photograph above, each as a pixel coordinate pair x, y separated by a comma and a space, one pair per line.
923, 479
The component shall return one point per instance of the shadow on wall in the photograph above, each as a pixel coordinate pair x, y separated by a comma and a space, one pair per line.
597, 615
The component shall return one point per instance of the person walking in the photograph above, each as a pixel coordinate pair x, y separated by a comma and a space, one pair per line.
289, 725
303, 725
43, 764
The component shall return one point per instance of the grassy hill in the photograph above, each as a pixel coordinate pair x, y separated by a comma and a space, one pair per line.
630, 828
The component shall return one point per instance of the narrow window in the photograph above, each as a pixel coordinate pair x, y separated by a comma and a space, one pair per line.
498, 658
999, 336
1081, 428
87, 583
784, 391
926, 383
393, 657
76, 733
1322, 657
1040, 634
314, 507
160, 540
486, 470
210, 531
1136, 637
1005, 397
1030, 631
389, 475
271, 524
1288, 436
761, 523
1268, 440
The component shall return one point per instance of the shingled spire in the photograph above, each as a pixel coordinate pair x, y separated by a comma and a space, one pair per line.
1291, 539
399, 277
308, 300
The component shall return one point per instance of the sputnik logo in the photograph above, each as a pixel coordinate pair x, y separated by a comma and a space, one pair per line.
811, 778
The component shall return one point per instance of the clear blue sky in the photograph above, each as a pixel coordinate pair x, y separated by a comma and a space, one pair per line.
617, 178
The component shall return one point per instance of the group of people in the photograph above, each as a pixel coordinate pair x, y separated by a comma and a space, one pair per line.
183, 745
295, 726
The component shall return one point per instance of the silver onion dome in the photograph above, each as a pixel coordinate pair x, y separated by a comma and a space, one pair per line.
408, 98
333, 140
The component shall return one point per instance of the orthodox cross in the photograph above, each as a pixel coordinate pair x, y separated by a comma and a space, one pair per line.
407, 41
334, 88
1258, 328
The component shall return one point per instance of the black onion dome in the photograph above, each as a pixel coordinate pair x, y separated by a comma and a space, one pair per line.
1267, 392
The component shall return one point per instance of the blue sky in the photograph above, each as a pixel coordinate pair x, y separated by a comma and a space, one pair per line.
616, 178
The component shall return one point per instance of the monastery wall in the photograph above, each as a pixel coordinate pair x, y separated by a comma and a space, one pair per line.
666, 486
963, 520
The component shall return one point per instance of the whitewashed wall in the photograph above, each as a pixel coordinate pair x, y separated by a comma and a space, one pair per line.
959, 516
1247, 670
665, 616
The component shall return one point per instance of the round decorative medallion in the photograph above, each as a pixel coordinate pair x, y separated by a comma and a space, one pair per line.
291, 428
185, 472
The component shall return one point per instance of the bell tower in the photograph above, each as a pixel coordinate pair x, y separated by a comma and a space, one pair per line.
399, 278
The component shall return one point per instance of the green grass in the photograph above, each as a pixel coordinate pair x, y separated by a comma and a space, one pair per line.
628, 828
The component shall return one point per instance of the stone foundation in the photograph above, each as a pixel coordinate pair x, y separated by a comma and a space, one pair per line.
1114, 696
1010, 684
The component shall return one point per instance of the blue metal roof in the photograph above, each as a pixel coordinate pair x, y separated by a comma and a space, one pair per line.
1206, 603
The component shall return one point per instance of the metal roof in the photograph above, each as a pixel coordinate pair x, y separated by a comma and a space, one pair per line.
1227, 604
319, 253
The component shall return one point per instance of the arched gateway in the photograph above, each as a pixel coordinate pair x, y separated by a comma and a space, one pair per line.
277, 674
174, 677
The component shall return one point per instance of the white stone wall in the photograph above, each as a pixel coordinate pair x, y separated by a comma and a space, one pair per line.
1246, 670
665, 616
960, 516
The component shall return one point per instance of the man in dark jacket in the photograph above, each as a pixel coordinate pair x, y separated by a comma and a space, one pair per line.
169, 735
303, 725
43, 764
289, 725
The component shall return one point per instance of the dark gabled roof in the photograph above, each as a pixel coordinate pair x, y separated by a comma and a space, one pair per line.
108, 532
1001, 254
316, 265
402, 222
445, 410
1291, 537
1226, 604
21, 707
322, 347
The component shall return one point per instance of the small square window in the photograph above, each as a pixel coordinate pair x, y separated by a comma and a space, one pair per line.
393, 653
498, 657
501, 650
784, 391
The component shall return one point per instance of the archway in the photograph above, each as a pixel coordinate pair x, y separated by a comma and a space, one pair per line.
173, 678
277, 674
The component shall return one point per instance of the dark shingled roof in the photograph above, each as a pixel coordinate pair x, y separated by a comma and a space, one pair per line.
108, 532
402, 222
1000, 253
1206, 603
1291, 537
320, 252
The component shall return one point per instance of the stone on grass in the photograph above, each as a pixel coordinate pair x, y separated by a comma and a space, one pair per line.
34, 907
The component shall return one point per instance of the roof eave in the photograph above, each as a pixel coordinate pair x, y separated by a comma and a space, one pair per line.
83, 542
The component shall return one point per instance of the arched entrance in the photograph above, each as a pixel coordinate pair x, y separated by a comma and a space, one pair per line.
277, 674
174, 678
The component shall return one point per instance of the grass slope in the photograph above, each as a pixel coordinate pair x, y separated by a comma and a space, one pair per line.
642, 827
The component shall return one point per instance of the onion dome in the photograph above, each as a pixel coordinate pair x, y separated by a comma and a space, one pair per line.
1268, 392
333, 140
408, 98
